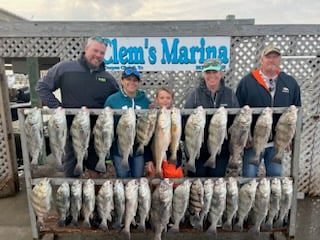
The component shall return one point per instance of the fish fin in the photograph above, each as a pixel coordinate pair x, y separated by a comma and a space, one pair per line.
101, 166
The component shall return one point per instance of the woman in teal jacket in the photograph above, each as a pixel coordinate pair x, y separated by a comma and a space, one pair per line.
128, 97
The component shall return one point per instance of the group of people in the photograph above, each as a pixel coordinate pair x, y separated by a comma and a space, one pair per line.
85, 82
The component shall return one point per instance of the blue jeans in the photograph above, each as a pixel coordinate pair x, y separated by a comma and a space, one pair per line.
136, 165
250, 170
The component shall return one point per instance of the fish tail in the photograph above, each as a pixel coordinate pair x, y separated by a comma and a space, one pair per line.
211, 162
61, 222
103, 225
227, 226
238, 226
101, 166
125, 164
174, 229
86, 223
78, 170
116, 225
254, 160
74, 222
276, 158
212, 229
267, 226
233, 164
142, 227
254, 230
140, 149
191, 166
126, 233
278, 223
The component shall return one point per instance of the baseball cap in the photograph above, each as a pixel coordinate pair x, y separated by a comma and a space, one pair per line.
212, 64
269, 49
128, 71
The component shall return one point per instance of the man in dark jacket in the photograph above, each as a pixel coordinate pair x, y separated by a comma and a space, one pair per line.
267, 86
211, 93
84, 82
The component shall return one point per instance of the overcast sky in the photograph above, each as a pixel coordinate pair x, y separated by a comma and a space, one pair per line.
263, 11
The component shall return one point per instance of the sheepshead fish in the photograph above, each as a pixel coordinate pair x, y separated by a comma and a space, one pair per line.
105, 204
246, 200
161, 206
285, 201
194, 134
76, 201
63, 203
196, 202
218, 204
80, 133
274, 206
103, 132
240, 133
261, 133
119, 203
207, 197
146, 125
144, 203
34, 134
261, 205
88, 202
57, 130
41, 197
126, 131
162, 138
131, 193
285, 130
176, 131
217, 134
232, 203
180, 204
165, 206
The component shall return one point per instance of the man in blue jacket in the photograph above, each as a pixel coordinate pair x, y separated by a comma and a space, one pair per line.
267, 86
84, 82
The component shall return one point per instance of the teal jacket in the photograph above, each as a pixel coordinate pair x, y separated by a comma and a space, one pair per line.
120, 100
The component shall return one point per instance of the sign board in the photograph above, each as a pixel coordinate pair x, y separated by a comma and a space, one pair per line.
165, 53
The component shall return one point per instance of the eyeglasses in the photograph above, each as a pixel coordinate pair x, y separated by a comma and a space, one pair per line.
130, 71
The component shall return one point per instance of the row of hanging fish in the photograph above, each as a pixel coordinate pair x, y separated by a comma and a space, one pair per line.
258, 204
165, 128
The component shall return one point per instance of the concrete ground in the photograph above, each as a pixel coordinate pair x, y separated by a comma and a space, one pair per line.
15, 224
